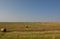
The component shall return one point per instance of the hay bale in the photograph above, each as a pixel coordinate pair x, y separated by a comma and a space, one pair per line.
27, 27
3, 29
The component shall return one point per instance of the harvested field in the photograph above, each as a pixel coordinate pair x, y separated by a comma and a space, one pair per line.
35, 30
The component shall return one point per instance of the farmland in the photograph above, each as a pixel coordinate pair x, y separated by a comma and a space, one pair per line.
30, 30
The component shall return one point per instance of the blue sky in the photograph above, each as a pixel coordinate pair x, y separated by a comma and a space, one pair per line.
29, 10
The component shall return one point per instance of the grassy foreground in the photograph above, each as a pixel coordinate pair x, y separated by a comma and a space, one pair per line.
30, 30
30, 35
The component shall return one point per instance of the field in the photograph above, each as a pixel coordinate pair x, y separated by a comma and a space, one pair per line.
30, 30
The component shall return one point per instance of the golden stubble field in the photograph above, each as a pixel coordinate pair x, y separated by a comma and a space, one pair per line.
30, 30
31, 26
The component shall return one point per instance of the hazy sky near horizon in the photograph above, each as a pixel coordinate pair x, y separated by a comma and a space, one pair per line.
29, 10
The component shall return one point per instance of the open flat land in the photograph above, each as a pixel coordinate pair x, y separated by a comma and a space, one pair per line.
30, 30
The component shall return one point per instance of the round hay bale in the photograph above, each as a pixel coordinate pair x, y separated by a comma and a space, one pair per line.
3, 29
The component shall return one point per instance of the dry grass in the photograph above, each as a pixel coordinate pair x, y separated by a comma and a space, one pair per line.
35, 30
32, 26
30, 35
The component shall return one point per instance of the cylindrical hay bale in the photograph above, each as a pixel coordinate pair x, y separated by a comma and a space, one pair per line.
3, 29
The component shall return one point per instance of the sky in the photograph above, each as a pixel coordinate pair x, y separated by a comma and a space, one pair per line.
29, 10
